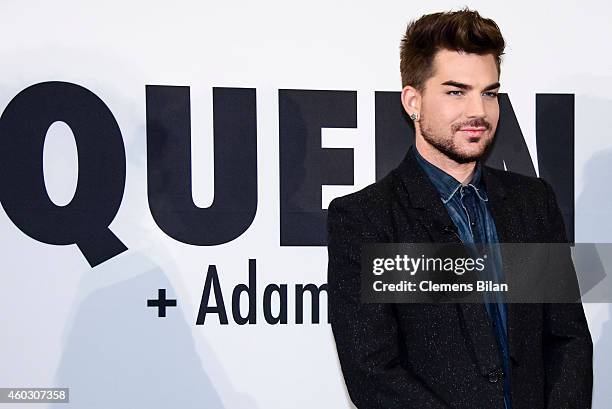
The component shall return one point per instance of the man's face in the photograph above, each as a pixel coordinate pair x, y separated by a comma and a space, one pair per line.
459, 107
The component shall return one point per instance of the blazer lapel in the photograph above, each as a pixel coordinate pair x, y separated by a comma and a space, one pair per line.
423, 203
507, 219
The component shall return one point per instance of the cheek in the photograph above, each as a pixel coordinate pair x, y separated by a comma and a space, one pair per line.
441, 115
493, 113
441, 112
451, 117
493, 120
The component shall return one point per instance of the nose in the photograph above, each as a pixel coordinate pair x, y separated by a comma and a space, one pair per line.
475, 106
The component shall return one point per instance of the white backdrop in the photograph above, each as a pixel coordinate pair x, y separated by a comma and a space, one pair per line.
66, 324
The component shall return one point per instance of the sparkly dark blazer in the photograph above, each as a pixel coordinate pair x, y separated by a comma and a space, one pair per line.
420, 356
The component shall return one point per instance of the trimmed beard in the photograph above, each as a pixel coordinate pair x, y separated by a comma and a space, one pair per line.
448, 148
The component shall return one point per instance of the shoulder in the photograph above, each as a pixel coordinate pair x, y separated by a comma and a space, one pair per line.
364, 212
516, 184
366, 202
532, 197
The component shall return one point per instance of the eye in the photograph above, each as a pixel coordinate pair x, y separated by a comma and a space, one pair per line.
490, 94
455, 93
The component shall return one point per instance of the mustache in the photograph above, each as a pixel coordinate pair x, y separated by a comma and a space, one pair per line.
474, 123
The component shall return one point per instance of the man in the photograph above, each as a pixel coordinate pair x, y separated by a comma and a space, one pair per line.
488, 355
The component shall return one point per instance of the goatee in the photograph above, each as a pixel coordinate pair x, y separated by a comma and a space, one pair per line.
448, 146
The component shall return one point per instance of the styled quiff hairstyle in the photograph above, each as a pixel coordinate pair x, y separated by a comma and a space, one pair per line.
464, 30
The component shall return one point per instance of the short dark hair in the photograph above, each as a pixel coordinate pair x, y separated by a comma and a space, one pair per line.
464, 30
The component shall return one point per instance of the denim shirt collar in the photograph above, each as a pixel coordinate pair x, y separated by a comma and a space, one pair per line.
447, 185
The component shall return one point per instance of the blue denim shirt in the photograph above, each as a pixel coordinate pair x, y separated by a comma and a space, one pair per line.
468, 208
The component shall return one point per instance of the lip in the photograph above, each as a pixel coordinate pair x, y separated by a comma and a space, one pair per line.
473, 131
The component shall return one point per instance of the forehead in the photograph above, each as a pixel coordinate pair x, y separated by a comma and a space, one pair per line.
464, 67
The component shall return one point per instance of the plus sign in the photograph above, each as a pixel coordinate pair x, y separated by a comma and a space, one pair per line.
161, 302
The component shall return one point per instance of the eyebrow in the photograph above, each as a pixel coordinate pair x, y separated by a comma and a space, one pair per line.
467, 87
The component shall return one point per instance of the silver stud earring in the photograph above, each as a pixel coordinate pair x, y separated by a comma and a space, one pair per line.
414, 116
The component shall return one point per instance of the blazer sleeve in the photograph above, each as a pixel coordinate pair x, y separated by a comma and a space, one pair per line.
568, 348
366, 335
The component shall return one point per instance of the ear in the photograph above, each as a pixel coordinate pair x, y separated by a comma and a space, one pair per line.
411, 100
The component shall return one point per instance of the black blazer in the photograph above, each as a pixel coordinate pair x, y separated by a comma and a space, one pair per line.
419, 356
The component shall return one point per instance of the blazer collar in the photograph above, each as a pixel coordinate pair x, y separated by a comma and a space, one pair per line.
424, 195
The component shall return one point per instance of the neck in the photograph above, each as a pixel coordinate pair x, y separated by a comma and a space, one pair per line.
461, 171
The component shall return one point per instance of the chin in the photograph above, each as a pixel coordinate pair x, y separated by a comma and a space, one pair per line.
469, 155
473, 150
